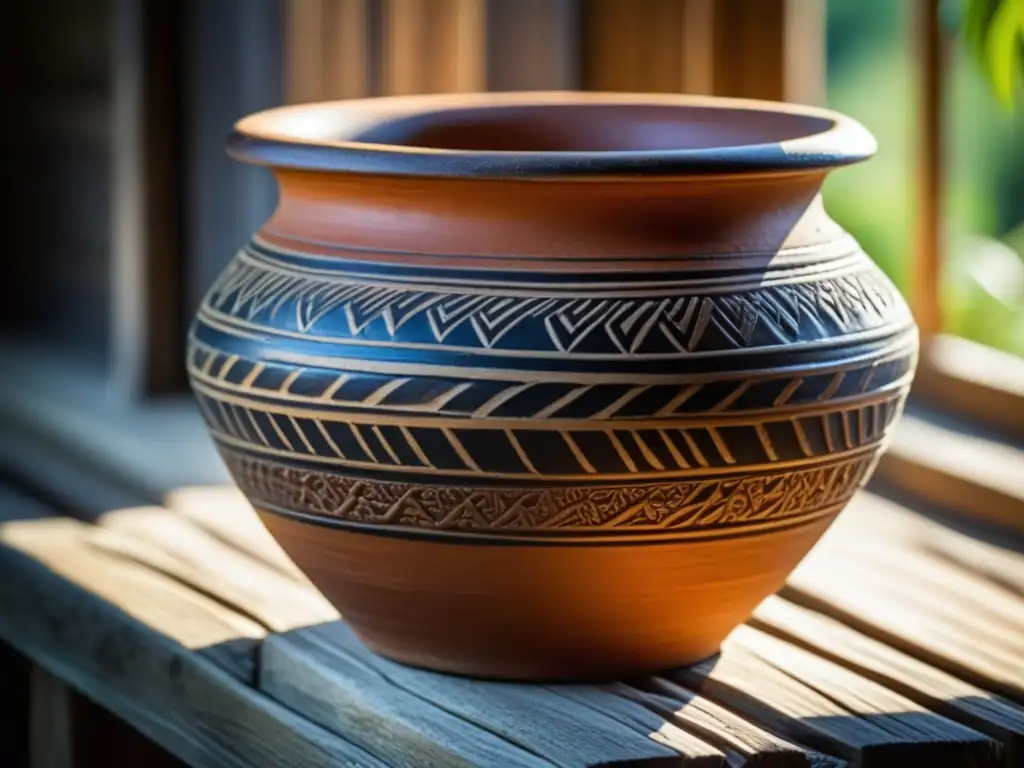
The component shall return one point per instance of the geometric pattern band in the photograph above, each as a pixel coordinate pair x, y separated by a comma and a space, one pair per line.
683, 506
538, 449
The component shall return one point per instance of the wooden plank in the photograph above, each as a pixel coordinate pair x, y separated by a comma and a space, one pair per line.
224, 513
405, 730
51, 736
162, 657
937, 460
171, 544
930, 687
975, 631
434, 46
646, 721
532, 45
812, 700
976, 382
743, 742
537, 720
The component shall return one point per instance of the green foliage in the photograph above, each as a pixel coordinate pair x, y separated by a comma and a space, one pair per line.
872, 78
995, 31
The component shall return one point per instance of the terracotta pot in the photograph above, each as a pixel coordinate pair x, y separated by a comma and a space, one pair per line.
550, 385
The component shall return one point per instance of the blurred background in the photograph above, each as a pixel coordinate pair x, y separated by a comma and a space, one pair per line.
125, 206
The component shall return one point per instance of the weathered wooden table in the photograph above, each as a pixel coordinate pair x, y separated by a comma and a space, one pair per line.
898, 642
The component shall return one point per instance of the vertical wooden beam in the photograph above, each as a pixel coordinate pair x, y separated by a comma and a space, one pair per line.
698, 49
146, 266
658, 46
804, 47
630, 46
770, 49
533, 45
303, 50
347, 50
928, 248
50, 730
434, 46
328, 47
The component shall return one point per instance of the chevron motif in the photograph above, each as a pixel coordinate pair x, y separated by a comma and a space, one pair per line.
475, 449
256, 292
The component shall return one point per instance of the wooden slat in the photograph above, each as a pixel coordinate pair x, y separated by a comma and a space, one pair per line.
810, 699
872, 516
742, 741
534, 719
172, 545
532, 45
223, 512
918, 603
928, 247
974, 381
936, 460
158, 654
937, 690
433, 46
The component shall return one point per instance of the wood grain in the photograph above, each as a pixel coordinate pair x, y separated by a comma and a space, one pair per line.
977, 382
223, 512
433, 46
161, 656
540, 721
810, 699
921, 603
742, 741
938, 461
930, 687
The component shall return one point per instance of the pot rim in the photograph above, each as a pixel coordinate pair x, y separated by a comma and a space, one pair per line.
329, 136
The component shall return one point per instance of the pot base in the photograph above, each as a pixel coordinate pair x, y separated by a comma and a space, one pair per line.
543, 612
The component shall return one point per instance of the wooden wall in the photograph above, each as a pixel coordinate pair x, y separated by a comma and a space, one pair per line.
127, 205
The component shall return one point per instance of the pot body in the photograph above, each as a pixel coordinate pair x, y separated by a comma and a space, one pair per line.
550, 429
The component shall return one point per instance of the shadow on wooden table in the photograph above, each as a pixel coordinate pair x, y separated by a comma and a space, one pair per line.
762, 701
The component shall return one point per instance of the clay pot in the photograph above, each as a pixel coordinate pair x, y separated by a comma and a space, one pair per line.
550, 386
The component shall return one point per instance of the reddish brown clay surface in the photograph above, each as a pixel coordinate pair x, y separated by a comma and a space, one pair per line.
548, 612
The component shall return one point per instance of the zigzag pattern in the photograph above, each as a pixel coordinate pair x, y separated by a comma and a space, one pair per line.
276, 297
478, 451
668, 507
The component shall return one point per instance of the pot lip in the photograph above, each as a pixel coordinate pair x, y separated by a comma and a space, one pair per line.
285, 137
